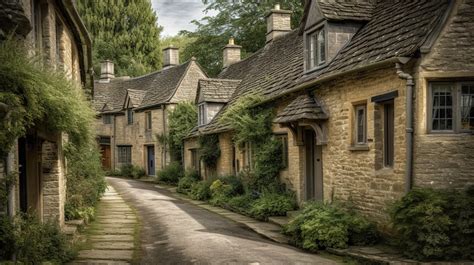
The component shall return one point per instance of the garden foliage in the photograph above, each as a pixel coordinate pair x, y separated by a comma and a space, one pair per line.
132, 171
182, 119
171, 173
272, 204
435, 224
209, 149
200, 190
321, 226
185, 183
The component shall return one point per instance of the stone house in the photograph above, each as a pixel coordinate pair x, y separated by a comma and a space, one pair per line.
370, 99
133, 112
53, 30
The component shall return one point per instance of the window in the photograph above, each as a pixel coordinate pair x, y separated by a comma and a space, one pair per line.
360, 124
107, 119
452, 107
388, 134
125, 154
195, 159
284, 149
59, 32
148, 120
130, 116
38, 35
316, 44
202, 117
104, 140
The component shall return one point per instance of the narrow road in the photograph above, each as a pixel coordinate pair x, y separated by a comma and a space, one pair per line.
177, 232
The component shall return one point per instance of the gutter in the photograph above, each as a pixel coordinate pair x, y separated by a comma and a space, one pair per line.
409, 126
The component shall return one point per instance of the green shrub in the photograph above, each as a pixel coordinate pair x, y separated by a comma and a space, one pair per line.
321, 226
242, 203
200, 190
235, 183
184, 184
193, 174
435, 224
181, 119
33, 242
272, 204
220, 193
132, 171
171, 173
267, 165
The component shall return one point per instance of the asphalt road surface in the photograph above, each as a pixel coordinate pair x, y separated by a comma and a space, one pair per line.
177, 232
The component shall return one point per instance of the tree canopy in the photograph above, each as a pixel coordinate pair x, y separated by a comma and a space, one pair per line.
125, 32
243, 20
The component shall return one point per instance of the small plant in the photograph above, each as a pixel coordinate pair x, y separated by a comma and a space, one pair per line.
272, 204
220, 193
435, 224
132, 171
321, 226
171, 173
200, 190
241, 203
185, 184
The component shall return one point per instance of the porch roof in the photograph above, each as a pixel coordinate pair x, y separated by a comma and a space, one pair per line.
304, 107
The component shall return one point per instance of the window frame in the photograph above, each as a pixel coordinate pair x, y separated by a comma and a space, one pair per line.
106, 119
124, 157
388, 160
356, 124
129, 116
148, 121
313, 61
202, 119
456, 92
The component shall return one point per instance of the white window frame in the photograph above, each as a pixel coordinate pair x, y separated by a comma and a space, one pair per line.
456, 92
313, 44
357, 108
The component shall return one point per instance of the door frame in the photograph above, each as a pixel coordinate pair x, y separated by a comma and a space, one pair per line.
313, 169
148, 167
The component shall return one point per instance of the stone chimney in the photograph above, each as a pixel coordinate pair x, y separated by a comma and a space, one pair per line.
278, 23
231, 53
170, 57
106, 71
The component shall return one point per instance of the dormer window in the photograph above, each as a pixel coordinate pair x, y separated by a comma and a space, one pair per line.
316, 43
202, 115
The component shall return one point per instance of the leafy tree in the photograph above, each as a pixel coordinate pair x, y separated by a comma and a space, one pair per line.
243, 20
125, 32
182, 119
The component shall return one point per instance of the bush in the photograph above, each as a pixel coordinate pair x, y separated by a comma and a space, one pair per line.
220, 193
200, 190
185, 184
241, 203
193, 174
34, 242
435, 224
171, 173
272, 204
235, 183
132, 171
321, 226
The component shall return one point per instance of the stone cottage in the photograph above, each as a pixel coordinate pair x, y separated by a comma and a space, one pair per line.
371, 98
53, 30
133, 112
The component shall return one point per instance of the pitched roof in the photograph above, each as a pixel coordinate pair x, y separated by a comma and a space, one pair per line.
347, 10
303, 107
274, 68
216, 90
397, 29
136, 96
152, 89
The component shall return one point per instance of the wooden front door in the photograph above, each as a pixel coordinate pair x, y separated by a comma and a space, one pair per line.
314, 167
106, 156
151, 160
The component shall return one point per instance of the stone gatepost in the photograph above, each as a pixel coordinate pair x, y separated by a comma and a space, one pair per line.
53, 183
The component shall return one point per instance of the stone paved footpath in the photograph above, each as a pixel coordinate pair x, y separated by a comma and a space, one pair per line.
110, 238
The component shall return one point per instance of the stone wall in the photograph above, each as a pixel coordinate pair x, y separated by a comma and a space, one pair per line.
188, 87
445, 160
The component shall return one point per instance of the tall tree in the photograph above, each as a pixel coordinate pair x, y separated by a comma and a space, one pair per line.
124, 31
244, 20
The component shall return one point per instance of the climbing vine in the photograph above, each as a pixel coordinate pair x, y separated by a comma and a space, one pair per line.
253, 125
209, 149
35, 95
182, 119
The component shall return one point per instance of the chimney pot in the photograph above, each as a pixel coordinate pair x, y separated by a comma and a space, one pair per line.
170, 57
231, 53
278, 23
106, 70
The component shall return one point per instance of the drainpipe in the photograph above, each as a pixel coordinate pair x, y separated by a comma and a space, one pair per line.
409, 126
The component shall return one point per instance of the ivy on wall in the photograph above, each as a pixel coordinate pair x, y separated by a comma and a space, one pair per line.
209, 149
182, 119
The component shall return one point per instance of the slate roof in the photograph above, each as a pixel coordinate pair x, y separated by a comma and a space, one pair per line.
148, 90
397, 29
346, 10
216, 90
273, 69
303, 107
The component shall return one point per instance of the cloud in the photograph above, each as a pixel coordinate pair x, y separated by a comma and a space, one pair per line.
176, 15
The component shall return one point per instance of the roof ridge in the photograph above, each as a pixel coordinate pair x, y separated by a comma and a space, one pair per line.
220, 79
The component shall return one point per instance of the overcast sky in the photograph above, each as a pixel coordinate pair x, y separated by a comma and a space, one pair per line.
176, 15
